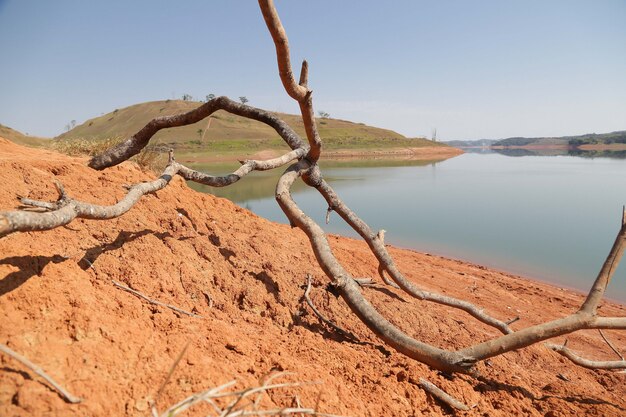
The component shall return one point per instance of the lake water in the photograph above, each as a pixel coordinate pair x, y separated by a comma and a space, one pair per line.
551, 218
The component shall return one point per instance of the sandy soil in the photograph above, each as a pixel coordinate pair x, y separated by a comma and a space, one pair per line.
244, 275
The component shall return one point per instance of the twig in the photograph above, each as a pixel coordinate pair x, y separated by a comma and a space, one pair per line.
608, 342
243, 409
513, 320
381, 272
585, 363
321, 317
170, 372
151, 301
69, 397
441, 395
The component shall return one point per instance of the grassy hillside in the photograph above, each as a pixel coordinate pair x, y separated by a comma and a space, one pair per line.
224, 132
20, 138
588, 139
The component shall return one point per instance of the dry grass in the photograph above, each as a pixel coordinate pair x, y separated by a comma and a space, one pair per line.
85, 147
244, 402
151, 158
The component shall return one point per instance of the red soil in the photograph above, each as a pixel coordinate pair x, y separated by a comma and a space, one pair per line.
244, 275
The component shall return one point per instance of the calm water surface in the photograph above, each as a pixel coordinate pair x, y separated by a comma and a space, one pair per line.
552, 218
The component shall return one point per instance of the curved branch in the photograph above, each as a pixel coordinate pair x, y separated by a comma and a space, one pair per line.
585, 363
133, 145
66, 209
24, 361
323, 318
247, 167
606, 272
349, 290
377, 246
281, 43
298, 91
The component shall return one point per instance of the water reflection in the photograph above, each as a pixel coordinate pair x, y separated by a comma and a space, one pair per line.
517, 152
551, 218
261, 185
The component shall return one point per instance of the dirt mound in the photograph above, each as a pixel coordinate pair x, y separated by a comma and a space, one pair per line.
244, 276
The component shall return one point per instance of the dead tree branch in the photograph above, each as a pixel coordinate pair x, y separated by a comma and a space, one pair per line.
377, 246
441, 395
66, 209
608, 342
37, 370
299, 92
133, 145
239, 405
585, 363
321, 317
155, 302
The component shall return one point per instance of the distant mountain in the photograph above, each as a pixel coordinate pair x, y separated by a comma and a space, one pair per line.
20, 138
226, 132
574, 141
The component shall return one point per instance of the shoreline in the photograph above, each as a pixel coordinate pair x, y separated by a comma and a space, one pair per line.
589, 147
420, 153
526, 276
244, 276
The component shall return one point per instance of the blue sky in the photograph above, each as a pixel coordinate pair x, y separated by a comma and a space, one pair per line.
481, 69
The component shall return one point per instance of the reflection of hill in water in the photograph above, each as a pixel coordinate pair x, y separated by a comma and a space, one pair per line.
261, 185
562, 152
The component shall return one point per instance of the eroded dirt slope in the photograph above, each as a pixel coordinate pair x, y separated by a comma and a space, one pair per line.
244, 275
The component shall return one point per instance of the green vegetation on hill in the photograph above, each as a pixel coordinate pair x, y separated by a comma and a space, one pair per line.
227, 133
588, 139
22, 139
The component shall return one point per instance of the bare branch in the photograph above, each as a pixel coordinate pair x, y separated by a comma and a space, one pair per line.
39, 204
236, 406
608, 342
304, 74
25, 221
155, 302
133, 145
295, 91
67, 209
349, 289
606, 272
586, 363
381, 272
441, 395
244, 169
301, 93
69, 397
320, 316
377, 246
171, 371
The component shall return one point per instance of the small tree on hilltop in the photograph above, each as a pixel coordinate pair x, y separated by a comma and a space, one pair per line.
243, 99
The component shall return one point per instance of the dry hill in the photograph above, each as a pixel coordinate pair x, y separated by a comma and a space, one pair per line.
244, 276
227, 133
22, 139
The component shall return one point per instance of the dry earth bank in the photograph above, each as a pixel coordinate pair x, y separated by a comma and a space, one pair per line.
244, 275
